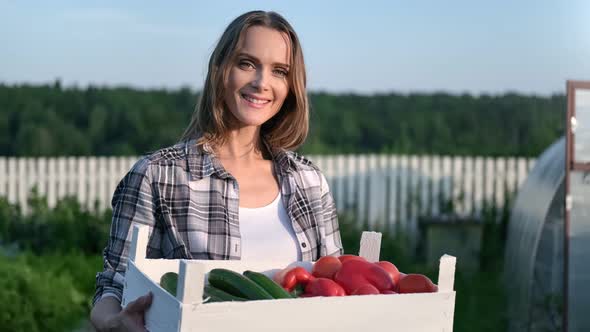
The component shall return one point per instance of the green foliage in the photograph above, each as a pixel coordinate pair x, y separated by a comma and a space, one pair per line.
49, 120
46, 293
65, 228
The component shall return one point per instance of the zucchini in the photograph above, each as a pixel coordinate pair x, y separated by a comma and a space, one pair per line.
237, 285
169, 281
217, 295
268, 285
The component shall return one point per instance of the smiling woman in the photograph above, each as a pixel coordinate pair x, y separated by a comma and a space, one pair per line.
232, 188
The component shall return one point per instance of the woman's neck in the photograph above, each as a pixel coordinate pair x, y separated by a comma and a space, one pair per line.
242, 145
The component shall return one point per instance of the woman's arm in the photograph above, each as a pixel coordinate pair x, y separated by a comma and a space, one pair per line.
133, 203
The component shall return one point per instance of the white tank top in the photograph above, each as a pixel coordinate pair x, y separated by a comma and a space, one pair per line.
267, 233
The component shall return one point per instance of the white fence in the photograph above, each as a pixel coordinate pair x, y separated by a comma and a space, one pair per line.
386, 190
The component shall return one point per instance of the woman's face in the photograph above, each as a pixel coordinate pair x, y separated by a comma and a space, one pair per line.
257, 83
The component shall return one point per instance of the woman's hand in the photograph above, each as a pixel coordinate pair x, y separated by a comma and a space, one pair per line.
131, 318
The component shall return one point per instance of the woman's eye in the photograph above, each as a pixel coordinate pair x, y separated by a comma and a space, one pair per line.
246, 64
281, 72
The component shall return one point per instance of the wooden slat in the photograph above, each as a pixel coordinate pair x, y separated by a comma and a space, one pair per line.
92, 181
340, 178
62, 178
375, 200
3, 177
23, 183
42, 176
511, 176
404, 170
446, 184
435, 194
72, 165
457, 183
414, 193
102, 182
489, 169
393, 177
468, 165
478, 189
12, 180
425, 185
52, 179
82, 176
361, 178
500, 183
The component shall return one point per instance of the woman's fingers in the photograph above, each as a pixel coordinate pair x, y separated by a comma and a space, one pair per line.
141, 304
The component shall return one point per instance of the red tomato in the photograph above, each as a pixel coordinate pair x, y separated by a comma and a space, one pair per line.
388, 291
355, 273
326, 267
344, 258
416, 283
324, 287
366, 289
391, 269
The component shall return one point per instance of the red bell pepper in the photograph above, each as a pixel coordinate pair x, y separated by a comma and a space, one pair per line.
296, 276
323, 287
356, 273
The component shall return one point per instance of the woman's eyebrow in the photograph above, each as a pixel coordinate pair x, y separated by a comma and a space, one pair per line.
244, 54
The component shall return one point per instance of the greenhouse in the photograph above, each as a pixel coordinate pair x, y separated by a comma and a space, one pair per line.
548, 244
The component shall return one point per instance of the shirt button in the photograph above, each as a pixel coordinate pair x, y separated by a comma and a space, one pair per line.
303, 244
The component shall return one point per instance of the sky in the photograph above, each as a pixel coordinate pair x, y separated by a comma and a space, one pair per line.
367, 47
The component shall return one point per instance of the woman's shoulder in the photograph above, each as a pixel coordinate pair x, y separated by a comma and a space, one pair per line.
308, 173
301, 162
174, 155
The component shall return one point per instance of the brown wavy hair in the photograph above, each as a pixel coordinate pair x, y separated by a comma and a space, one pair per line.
289, 127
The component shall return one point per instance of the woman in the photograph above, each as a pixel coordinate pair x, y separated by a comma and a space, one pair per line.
233, 188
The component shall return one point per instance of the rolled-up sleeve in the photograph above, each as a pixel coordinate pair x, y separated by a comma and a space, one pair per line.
333, 242
132, 203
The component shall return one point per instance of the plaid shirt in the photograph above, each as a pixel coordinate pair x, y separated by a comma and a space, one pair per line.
190, 203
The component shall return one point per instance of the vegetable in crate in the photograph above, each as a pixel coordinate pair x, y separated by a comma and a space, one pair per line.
274, 289
214, 294
323, 287
169, 281
391, 269
326, 267
237, 285
358, 273
416, 283
293, 277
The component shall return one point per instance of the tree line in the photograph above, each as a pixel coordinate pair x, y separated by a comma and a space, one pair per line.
51, 120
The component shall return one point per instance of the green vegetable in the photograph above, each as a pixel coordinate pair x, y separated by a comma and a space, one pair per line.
169, 281
214, 294
237, 285
268, 285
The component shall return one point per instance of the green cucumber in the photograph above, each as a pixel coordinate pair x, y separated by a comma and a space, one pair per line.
169, 281
237, 285
268, 285
215, 294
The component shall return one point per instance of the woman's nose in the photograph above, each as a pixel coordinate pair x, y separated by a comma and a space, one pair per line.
261, 80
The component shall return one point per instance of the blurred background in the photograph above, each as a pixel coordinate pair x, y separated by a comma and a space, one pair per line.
426, 118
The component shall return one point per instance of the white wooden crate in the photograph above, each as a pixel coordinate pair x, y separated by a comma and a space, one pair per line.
186, 312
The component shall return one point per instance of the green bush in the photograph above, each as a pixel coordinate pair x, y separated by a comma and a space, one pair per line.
46, 293
68, 227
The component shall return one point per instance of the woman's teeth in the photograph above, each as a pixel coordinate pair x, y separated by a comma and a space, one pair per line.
254, 100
